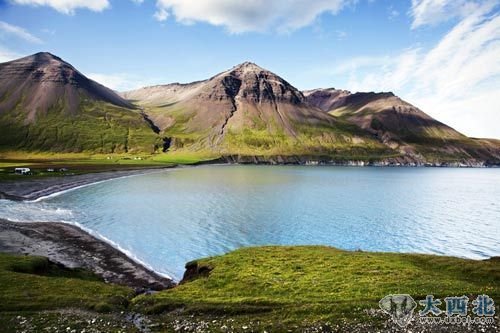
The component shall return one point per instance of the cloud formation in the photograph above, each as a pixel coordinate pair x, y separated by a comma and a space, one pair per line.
456, 81
67, 6
432, 12
245, 16
18, 32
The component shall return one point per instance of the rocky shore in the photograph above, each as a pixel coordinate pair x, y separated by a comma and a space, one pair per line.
72, 247
404, 161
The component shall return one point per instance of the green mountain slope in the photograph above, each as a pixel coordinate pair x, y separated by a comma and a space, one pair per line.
47, 105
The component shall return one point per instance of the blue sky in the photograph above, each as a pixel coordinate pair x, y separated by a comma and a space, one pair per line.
441, 55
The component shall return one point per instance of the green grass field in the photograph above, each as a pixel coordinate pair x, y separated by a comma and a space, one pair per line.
29, 283
278, 289
283, 287
81, 163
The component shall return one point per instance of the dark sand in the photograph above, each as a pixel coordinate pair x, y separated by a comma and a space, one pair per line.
32, 189
72, 247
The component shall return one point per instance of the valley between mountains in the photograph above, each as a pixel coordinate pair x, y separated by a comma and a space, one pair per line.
245, 114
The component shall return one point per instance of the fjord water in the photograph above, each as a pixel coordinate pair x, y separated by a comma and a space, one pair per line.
168, 218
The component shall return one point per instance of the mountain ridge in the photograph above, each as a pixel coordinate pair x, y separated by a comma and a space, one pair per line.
243, 111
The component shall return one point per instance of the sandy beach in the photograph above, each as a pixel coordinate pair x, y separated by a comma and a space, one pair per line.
72, 247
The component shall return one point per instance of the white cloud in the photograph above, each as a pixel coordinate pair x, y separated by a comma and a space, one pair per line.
121, 81
250, 15
67, 6
457, 81
431, 12
161, 14
393, 13
341, 35
18, 32
8, 55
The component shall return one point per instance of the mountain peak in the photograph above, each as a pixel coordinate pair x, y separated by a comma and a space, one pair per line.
254, 83
45, 56
249, 66
42, 59
42, 81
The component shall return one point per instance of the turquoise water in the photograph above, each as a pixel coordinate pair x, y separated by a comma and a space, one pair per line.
168, 218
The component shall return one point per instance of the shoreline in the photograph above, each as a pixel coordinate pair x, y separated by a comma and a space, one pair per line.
73, 247
21, 237
39, 189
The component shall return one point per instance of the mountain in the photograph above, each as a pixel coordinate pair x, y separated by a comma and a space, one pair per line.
46, 104
248, 110
245, 114
402, 126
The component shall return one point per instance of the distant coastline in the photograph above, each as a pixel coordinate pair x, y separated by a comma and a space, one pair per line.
37, 189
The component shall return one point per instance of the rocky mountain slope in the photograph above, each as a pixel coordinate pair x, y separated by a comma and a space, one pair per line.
46, 104
403, 127
248, 110
326, 99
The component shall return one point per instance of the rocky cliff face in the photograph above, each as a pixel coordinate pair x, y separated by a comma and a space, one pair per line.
41, 82
257, 85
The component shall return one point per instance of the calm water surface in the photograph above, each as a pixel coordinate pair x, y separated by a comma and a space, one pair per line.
168, 218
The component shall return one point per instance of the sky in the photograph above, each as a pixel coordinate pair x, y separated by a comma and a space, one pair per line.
440, 55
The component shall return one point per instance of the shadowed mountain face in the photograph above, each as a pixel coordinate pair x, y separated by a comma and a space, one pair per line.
384, 115
246, 110
326, 99
46, 104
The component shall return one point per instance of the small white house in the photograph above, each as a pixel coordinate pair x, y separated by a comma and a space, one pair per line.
22, 171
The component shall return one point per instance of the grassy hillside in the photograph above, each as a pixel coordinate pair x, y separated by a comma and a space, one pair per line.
339, 140
98, 128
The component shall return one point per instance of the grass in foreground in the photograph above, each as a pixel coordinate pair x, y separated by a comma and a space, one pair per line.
293, 286
277, 289
30, 283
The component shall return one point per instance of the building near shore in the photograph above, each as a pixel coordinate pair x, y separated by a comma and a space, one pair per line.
22, 171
